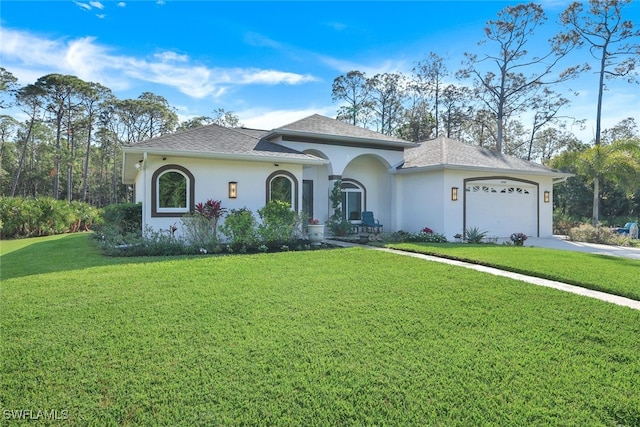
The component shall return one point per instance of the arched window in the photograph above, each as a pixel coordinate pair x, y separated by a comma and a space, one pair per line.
352, 200
283, 186
172, 191
281, 189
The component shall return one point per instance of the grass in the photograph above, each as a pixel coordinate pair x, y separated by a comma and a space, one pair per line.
614, 275
340, 337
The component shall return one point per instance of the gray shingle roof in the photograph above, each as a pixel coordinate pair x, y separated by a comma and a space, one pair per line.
322, 127
215, 139
449, 152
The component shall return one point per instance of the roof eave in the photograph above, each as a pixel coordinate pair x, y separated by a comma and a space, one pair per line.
443, 166
228, 156
338, 138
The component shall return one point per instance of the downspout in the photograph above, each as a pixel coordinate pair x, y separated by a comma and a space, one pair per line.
144, 192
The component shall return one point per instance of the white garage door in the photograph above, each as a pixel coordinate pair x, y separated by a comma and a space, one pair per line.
502, 208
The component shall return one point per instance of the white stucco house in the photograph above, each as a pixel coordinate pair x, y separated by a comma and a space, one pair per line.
442, 184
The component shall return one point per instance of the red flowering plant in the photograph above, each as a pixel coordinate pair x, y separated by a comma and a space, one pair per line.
210, 210
314, 222
426, 230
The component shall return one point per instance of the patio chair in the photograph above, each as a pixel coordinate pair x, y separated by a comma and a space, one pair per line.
369, 223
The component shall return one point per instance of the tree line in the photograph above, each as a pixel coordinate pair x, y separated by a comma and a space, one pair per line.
69, 147
514, 74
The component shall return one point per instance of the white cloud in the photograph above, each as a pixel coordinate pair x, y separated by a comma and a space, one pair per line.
84, 6
255, 39
96, 4
386, 66
272, 77
90, 61
122, 4
171, 56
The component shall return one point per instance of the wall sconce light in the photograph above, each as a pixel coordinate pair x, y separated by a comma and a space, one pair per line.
233, 189
546, 197
138, 165
454, 193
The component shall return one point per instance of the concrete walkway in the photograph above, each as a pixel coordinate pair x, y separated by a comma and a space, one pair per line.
553, 243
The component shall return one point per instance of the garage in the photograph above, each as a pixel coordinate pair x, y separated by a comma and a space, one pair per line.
501, 206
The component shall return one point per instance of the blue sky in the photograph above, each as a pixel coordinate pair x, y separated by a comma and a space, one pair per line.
269, 62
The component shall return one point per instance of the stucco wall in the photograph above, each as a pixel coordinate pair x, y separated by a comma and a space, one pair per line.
211, 182
400, 201
420, 202
374, 177
424, 200
341, 155
370, 169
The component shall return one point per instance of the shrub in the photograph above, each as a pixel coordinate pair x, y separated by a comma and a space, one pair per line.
198, 230
422, 236
590, 234
240, 227
563, 223
85, 216
149, 243
127, 216
279, 222
162, 243
30, 217
281, 230
212, 210
432, 237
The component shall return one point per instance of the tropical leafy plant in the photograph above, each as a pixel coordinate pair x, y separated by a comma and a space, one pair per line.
474, 235
26, 217
338, 225
200, 228
211, 210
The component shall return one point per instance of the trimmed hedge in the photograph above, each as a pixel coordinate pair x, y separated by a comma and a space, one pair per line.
126, 216
32, 217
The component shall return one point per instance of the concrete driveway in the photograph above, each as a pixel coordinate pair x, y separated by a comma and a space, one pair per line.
560, 242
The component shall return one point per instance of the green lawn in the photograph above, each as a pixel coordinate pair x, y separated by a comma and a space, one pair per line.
614, 275
338, 337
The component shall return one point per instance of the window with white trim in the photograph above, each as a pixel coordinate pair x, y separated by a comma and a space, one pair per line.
281, 188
